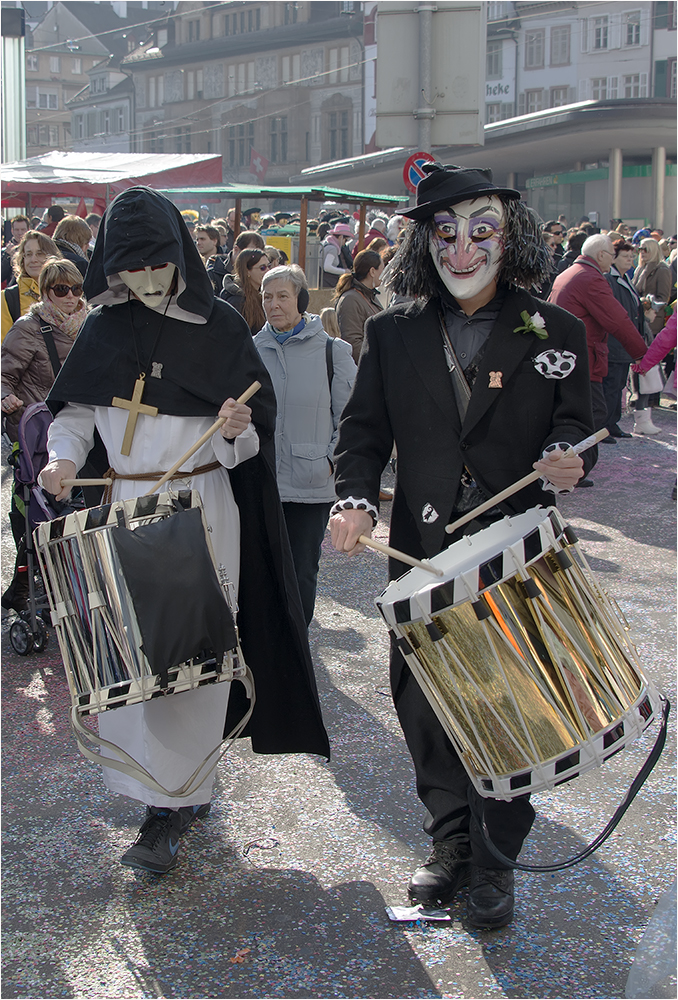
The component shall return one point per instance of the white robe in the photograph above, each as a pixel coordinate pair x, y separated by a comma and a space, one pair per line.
171, 736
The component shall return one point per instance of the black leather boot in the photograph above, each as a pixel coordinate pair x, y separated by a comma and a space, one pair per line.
438, 880
490, 898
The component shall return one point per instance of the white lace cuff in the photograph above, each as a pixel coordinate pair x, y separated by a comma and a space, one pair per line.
545, 483
350, 503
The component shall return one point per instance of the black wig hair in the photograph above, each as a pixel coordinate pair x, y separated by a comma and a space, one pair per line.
526, 260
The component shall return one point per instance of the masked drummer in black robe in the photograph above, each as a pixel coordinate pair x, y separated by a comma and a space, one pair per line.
155, 362
472, 381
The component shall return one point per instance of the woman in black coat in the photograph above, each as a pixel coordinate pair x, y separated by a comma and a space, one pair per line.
619, 359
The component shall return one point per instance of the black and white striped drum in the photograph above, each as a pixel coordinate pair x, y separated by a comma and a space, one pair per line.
522, 656
139, 606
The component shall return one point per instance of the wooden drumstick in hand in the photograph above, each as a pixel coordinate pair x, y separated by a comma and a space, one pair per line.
532, 477
247, 394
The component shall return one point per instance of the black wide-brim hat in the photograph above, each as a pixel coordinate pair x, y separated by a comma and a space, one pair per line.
446, 184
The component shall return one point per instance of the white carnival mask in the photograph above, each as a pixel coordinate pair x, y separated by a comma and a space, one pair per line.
468, 245
150, 284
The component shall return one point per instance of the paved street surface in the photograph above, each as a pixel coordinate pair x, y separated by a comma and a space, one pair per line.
281, 891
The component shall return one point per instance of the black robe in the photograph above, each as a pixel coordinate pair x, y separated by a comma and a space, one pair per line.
204, 363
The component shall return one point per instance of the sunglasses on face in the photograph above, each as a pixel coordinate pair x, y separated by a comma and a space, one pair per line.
61, 291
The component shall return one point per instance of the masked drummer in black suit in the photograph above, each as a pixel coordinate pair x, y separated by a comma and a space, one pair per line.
473, 381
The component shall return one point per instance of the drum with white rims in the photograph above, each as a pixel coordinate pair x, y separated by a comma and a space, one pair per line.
138, 604
524, 659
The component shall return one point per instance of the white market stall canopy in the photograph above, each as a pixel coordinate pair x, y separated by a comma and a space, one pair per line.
38, 181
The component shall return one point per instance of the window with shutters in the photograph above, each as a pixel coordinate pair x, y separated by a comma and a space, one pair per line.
534, 48
558, 97
560, 45
32, 65
632, 28
76, 67
671, 78
54, 64
600, 32
194, 30
32, 135
240, 143
492, 113
182, 139
106, 122
534, 101
290, 13
156, 141
494, 67
278, 140
337, 128
599, 88
53, 135
121, 119
47, 99
635, 85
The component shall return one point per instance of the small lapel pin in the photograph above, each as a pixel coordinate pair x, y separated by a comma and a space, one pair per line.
495, 380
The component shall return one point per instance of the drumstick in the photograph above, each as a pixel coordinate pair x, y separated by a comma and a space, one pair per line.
401, 556
575, 449
200, 442
86, 482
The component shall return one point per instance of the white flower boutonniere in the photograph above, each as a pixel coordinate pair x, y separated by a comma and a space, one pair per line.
532, 324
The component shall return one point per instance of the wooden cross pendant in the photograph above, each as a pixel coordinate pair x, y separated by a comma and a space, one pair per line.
135, 407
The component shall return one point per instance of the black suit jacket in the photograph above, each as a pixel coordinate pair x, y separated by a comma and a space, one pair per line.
403, 394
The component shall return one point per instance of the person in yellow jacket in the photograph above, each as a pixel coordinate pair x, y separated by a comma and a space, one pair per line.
31, 254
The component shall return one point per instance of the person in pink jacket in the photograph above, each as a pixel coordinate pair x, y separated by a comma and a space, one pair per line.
664, 342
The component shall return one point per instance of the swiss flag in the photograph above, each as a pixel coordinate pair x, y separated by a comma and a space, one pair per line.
258, 165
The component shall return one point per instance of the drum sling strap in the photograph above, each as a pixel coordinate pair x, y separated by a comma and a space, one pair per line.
469, 494
477, 811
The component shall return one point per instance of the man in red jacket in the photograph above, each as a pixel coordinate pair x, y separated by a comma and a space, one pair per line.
583, 290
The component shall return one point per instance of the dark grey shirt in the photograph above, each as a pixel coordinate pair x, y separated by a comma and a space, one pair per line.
469, 333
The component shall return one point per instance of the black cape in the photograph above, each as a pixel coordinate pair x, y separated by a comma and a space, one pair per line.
204, 364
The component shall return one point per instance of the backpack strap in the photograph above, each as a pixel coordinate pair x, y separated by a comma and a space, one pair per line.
329, 361
13, 301
47, 332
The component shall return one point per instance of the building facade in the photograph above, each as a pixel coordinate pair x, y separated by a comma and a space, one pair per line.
273, 87
102, 115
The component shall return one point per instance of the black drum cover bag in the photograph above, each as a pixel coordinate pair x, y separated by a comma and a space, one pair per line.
180, 606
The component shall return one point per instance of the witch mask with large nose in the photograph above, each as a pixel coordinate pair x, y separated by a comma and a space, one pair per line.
467, 245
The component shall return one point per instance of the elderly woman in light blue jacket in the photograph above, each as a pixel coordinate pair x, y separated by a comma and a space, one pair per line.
312, 375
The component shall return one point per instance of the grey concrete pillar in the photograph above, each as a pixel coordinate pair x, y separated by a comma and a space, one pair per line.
614, 185
658, 185
425, 113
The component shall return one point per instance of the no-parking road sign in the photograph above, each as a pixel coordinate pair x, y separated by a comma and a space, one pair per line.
412, 172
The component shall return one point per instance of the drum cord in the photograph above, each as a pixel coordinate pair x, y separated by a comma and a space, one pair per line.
638, 782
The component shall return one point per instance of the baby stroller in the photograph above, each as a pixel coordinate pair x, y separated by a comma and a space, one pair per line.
28, 633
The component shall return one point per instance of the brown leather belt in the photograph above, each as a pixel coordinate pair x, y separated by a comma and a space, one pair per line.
155, 476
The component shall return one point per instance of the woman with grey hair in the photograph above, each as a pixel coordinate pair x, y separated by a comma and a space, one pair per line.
312, 376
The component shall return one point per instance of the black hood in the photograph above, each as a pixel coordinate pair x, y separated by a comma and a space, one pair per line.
142, 228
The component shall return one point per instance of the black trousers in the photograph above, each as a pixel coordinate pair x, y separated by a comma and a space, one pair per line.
306, 523
444, 786
613, 386
599, 406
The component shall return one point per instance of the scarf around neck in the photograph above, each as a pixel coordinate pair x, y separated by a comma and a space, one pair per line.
68, 324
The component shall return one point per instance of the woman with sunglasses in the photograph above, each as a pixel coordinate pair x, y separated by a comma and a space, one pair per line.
243, 293
27, 370
31, 254
31, 353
